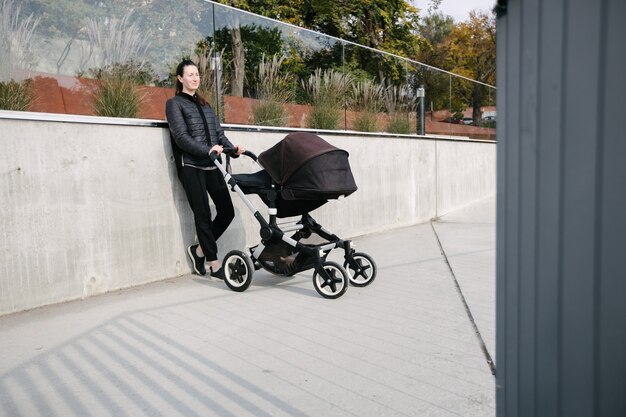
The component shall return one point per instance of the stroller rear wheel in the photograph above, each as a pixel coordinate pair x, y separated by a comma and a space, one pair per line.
238, 269
330, 280
362, 269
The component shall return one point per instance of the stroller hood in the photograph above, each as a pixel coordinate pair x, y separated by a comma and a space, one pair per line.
306, 167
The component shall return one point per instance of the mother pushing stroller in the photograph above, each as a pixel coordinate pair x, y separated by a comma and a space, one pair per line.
195, 132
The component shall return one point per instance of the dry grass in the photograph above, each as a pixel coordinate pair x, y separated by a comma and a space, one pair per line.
16, 96
367, 99
326, 91
273, 90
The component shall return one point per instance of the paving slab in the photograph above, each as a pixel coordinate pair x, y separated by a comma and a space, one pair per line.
403, 346
468, 236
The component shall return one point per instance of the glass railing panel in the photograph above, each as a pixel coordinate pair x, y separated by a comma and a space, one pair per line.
488, 114
416, 83
79, 52
316, 61
284, 76
473, 105
400, 98
381, 98
437, 114
59, 57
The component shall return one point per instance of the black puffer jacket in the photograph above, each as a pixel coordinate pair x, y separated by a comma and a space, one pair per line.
189, 141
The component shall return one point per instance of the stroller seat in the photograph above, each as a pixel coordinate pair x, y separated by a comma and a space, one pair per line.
256, 183
260, 183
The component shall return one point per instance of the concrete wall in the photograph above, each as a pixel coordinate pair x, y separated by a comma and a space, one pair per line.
89, 208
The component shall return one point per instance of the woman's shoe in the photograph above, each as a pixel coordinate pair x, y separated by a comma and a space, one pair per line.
218, 274
197, 261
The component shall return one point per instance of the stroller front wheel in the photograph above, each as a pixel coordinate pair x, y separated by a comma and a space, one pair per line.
238, 270
330, 280
362, 269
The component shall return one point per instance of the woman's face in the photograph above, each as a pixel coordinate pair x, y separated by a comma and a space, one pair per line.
190, 79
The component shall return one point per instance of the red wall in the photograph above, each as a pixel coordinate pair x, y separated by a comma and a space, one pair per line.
72, 95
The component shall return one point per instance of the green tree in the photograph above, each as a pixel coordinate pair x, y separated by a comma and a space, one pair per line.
259, 41
382, 24
434, 30
470, 50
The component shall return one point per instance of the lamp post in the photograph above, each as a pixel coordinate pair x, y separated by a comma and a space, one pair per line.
420, 93
216, 67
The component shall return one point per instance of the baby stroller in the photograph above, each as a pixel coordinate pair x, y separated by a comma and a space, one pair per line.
300, 174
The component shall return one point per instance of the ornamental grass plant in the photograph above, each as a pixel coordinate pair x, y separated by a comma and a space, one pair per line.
273, 90
117, 90
17, 58
116, 96
400, 104
16, 96
326, 90
366, 99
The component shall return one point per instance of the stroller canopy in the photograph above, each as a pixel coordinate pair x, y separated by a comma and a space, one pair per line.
306, 167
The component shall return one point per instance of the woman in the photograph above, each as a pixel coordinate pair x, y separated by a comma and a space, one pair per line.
196, 132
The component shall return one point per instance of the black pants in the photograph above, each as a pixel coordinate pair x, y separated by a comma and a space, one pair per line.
196, 183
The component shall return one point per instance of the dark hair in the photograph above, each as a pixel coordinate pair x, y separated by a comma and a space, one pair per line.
180, 69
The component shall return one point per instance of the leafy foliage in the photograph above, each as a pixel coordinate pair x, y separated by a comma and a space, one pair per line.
434, 30
470, 50
384, 24
259, 41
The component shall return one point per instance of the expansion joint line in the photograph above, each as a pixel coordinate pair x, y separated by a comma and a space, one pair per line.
481, 341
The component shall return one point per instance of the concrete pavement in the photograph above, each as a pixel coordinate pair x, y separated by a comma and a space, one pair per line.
403, 346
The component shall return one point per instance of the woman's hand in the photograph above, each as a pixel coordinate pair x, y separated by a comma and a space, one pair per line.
240, 149
218, 149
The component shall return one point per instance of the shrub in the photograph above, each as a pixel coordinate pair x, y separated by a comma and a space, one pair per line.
269, 113
366, 122
400, 103
273, 90
322, 117
16, 96
366, 98
116, 96
118, 47
399, 123
326, 91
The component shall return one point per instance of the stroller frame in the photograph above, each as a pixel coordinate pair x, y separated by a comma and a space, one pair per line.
329, 278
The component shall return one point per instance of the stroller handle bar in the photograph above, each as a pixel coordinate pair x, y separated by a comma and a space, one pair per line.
232, 152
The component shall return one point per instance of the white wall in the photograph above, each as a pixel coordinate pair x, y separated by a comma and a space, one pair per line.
89, 208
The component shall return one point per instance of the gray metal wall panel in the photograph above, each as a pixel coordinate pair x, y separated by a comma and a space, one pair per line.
511, 159
527, 203
549, 137
578, 210
502, 147
561, 267
611, 273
